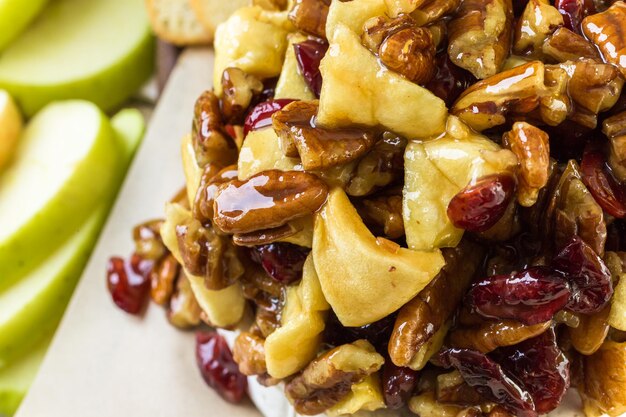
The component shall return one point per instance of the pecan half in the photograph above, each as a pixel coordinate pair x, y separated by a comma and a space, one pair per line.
310, 16
384, 212
268, 199
532, 148
452, 389
249, 353
426, 405
148, 242
591, 331
184, 311
268, 297
163, 279
210, 141
606, 31
319, 148
603, 388
480, 36
615, 129
565, 45
537, 22
239, 89
212, 178
434, 10
421, 317
329, 378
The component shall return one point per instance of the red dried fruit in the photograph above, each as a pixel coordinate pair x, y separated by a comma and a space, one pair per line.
607, 191
398, 384
450, 80
282, 261
218, 368
308, 56
574, 11
541, 365
261, 115
129, 282
588, 276
531, 296
490, 380
377, 333
479, 206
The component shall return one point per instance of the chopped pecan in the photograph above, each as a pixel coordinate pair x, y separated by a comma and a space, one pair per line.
591, 332
385, 213
163, 279
209, 255
606, 31
310, 16
489, 335
603, 388
433, 10
532, 148
615, 129
210, 141
239, 89
452, 389
249, 353
439, 33
480, 36
421, 317
319, 148
148, 242
268, 297
212, 178
184, 311
565, 45
402, 45
329, 378
265, 236
426, 405
266, 200
537, 22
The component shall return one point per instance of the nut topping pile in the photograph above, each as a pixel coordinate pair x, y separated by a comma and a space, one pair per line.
412, 205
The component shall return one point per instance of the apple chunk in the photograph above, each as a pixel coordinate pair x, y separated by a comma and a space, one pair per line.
15, 15
99, 51
364, 278
63, 167
10, 127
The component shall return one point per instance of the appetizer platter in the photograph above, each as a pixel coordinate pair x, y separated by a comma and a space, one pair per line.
388, 208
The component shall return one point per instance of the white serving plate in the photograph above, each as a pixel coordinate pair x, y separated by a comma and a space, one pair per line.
105, 363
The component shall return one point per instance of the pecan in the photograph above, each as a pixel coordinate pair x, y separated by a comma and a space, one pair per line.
266, 200
615, 129
212, 177
606, 31
265, 236
421, 317
426, 405
480, 36
329, 378
380, 167
268, 297
310, 16
163, 278
486, 336
239, 89
148, 242
209, 255
210, 142
268, 321
433, 10
319, 148
520, 90
537, 22
184, 311
532, 148
591, 332
403, 46
249, 353
565, 45
603, 388
452, 389
385, 213
439, 33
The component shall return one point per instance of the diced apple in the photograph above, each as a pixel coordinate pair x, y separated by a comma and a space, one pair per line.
100, 51
261, 151
291, 83
10, 127
366, 395
15, 15
353, 14
357, 90
377, 276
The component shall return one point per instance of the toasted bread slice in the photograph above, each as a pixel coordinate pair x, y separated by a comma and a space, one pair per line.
213, 12
175, 21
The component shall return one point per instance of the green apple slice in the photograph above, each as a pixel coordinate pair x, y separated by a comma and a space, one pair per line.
10, 127
99, 51
15, 15
17, 378
129, 125
63, 167
33, 307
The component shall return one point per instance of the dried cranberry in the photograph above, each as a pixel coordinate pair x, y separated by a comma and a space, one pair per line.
218, 368
519, 6
282, 261
531, 296
449, 81
308, 55
490, 380
398, 384
588, 277
129, 282
574, 11
542, 367
377, 333
479, 206
261, 114
609, 193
